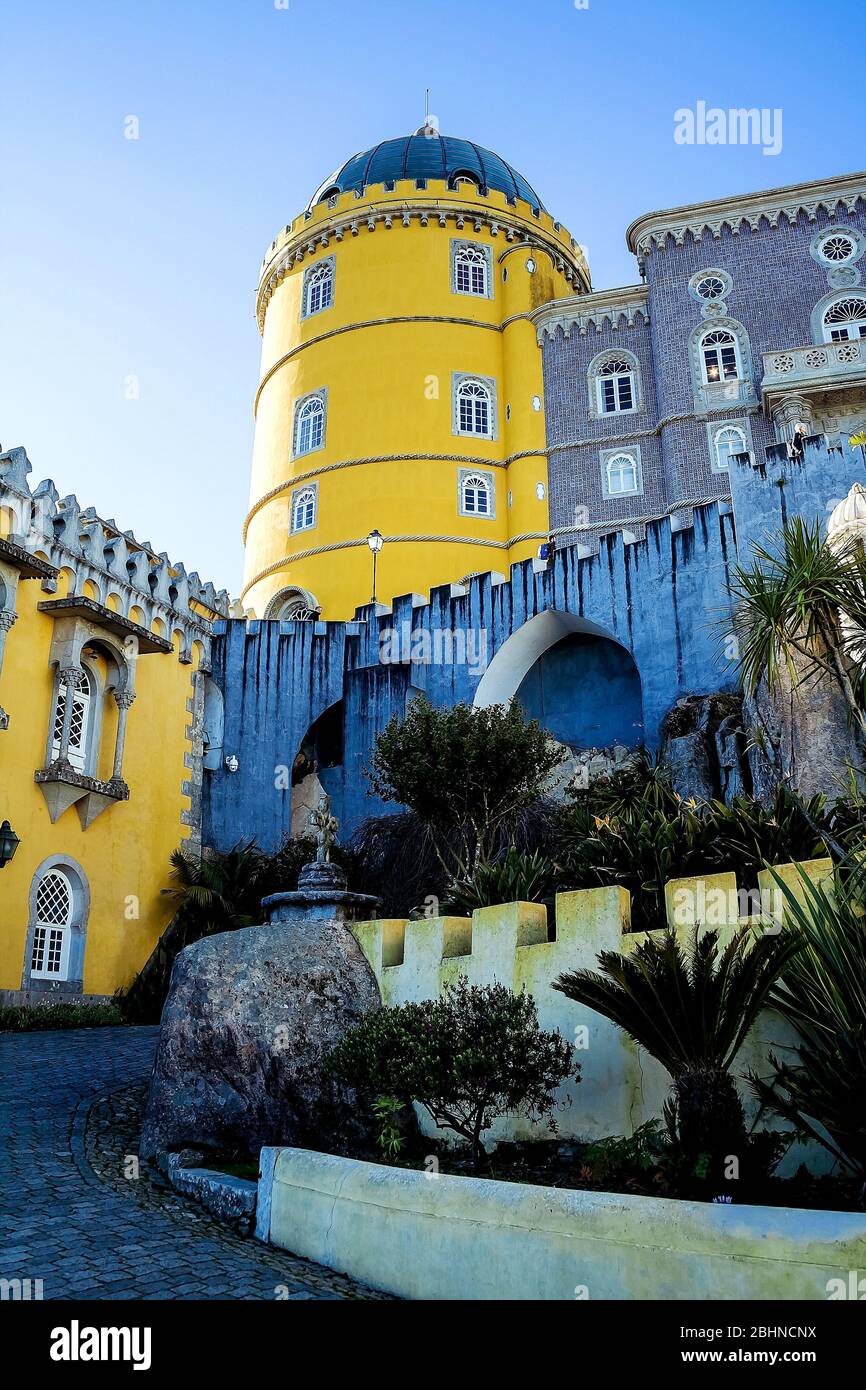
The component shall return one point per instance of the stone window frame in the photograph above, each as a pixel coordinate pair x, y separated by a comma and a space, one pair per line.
297, 494
820, 309
593, 377
816, 247
607, 456
741, 423
459, 244
77, 878
322, 396
711, 397
292, 596
314, 272
713, 272
93, 732
458, 379
463, 477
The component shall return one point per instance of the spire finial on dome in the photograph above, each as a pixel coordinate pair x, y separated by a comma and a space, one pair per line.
430, 128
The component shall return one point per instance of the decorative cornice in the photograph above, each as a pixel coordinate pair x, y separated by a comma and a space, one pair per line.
310, 239
389, 540
471, 460
651, 231
597, 309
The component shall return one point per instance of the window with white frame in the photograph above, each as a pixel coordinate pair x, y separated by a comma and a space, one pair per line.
474, 408
471, 269
309, 424
318, 287
728, 440
304, 505
476, 494
622, 474
52, 926
720, 358
81, 697
837, 247
845, 319
615, 386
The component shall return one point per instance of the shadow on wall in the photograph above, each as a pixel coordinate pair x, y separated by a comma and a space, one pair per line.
586, 691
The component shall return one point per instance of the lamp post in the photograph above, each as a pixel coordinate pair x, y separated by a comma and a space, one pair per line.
9, 842
375, 541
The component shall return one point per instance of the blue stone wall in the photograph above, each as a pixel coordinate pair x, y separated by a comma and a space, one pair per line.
777, 487
586, 691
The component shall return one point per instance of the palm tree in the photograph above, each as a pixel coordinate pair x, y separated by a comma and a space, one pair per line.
822, 992
800, 610
691, 1010
219, 892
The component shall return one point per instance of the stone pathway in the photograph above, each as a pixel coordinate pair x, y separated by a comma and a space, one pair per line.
69, 1112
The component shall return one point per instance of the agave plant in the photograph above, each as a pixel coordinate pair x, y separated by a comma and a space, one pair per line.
516, 877
690, 1009
822, 992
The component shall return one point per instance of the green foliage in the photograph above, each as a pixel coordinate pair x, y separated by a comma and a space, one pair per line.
469, 1056
691, 1010
44, 1016
798, 609
517, 877
617, 1157
466, 773
388, 1110
822, 992
636, 832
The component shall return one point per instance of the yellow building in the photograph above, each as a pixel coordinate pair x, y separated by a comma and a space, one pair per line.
401, 381
103, 655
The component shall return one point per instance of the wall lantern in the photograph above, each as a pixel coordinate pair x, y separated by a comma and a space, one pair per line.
375, 541
9, 842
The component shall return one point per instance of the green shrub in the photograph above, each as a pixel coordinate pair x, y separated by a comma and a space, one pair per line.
516, 877
470, 1056
44, 1016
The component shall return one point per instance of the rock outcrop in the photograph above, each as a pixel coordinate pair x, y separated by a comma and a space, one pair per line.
249, 1019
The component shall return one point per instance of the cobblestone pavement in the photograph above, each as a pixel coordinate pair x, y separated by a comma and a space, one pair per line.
70, 1105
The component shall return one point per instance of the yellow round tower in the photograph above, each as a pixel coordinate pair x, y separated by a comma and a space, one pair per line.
401, 385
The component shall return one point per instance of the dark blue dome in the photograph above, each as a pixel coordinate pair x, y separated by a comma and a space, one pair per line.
430, 156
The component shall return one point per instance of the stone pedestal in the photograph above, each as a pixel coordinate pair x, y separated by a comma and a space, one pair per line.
321, 895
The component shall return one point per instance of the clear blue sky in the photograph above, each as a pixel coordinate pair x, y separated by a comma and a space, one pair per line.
124, 258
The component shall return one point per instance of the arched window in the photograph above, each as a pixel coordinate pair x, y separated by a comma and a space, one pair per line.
318, 287
471, 269
615, 386
845, 319
309, 424
622, 474
52, 926
79, 726
476, 494
728, 441
293, 605
720, 358
304, 509
474, 408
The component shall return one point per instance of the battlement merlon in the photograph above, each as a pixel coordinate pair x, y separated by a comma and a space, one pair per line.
125, 573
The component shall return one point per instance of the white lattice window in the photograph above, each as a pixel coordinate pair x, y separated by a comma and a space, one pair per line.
52, 929
837, 247
304, 509
474, 408
728, 441
622, 474
471, 270
720, 358
615, 386
845, 319
476, 494
310, 425
319, 287
710, 287
79, 723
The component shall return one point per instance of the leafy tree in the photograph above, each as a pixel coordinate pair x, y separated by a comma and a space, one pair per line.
800, 613
473, 1054
691, 1011
466, 773
822, 992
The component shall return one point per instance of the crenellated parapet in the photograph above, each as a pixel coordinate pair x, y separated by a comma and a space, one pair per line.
149, 593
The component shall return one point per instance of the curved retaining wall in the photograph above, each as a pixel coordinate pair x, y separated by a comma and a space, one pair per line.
444, 1237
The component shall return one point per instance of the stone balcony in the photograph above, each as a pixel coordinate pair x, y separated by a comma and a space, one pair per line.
822, 373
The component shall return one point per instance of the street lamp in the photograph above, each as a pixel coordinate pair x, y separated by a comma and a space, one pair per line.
375, 541
9, 842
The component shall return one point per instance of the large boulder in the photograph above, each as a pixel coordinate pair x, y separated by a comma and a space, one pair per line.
249, 1018
703, 747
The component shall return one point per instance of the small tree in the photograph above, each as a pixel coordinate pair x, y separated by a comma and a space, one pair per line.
466, 773
473, 1054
